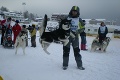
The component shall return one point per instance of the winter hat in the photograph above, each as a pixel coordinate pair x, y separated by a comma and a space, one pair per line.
17, 21
24, 26
74, 8
83, 20
9, 18
33, 25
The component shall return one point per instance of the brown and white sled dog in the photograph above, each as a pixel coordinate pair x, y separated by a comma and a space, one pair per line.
103, 46
21, 42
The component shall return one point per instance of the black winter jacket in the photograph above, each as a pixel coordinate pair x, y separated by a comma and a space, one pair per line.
106, 31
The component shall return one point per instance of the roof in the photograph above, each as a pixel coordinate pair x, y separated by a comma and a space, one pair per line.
38, 18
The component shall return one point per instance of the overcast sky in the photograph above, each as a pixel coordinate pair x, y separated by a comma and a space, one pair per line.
107, 9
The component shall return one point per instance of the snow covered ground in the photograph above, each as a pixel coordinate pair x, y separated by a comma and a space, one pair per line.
37, 65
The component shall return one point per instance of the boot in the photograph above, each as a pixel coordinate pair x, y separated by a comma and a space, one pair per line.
78, 61
81, 68
65, 67
65, 62
84, 47
99, 48
34, 44
81, 46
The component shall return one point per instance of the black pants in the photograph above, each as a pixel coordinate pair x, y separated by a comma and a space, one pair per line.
27, 40
77, 55
83, 39
101, 38
3, 32
33, 41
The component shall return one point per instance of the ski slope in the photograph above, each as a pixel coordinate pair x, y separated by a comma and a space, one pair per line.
37, 65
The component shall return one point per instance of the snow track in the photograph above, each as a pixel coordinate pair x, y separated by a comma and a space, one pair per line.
37, 65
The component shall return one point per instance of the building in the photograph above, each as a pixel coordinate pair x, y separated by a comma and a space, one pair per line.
38, 19
14, 15
93, 29
58, 16
1, 15
117, 33
98, 21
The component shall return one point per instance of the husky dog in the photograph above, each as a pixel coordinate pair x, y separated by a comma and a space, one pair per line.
58, 34
102, 46
21, 41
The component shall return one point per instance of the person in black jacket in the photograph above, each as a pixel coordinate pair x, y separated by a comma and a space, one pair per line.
102, 32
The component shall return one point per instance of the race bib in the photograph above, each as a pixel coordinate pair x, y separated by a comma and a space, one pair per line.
51, 26
74, 28
74, 24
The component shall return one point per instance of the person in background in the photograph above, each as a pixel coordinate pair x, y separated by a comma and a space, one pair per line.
77, 26
33, 35
0, 25
83, 39
26, 31
6, 26
16, 30
102, 32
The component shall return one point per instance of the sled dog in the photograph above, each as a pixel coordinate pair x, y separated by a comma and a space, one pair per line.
102, 46
21, 42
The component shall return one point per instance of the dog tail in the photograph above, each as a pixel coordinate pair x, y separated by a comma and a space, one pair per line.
44, 24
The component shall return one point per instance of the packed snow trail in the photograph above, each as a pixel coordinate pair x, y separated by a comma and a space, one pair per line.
37, 65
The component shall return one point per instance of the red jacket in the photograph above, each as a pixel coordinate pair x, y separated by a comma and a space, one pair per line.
3, 22
16, 29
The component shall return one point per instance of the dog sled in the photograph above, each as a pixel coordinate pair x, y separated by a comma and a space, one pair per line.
7, 39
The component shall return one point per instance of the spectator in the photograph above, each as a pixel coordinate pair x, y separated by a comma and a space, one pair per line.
102, 32
83, 39
6, 26
25, 30
16, 30
33, 35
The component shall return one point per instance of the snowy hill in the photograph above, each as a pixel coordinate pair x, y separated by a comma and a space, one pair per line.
37, 65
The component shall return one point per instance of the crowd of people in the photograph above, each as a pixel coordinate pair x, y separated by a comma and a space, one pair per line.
7, 28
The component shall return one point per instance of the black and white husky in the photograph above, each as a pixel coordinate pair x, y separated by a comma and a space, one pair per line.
50, 34
102, 46
20, 42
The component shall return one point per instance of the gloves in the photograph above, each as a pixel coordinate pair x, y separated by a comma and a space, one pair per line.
73, 34
79, 31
